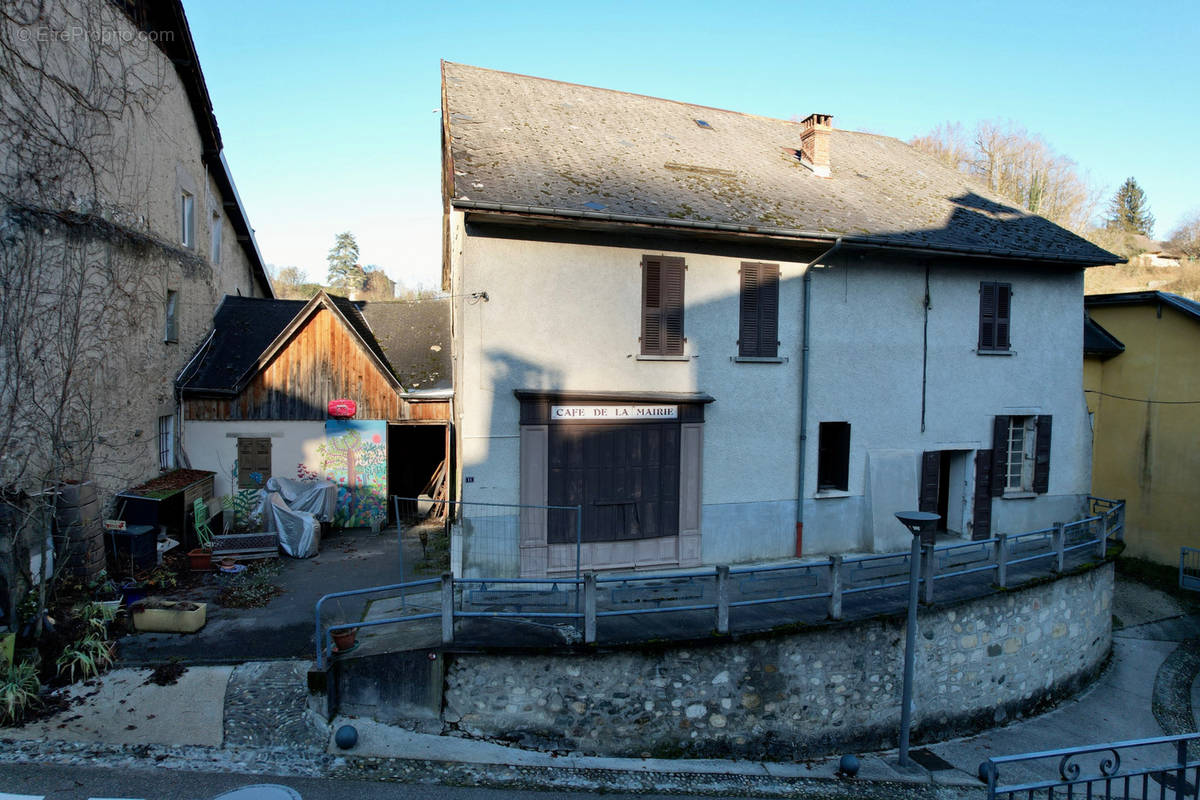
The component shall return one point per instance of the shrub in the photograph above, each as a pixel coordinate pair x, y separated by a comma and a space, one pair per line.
19, 687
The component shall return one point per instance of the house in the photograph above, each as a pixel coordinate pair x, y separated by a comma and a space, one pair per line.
1141, 391
255, 398
730, 338
120, 230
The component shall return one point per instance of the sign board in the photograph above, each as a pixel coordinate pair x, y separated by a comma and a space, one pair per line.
114, 524
612, 413
342, 409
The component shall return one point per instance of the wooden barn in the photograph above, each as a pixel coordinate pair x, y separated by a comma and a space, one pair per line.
256, 398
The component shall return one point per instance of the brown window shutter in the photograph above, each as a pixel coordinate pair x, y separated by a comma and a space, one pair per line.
999, 454
1003, 314
254, 456
672, 307
652, 343
1041, 464
758, 333
931, 461
748, 338
982, 517
987, 316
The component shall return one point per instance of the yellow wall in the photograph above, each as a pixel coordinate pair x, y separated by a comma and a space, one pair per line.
1149, 453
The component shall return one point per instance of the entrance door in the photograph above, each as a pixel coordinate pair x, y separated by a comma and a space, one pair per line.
626, 478
945, 488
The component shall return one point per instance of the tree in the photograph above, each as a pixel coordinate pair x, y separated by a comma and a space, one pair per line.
1128, 210
1017, 165
344, 270
1186, 237
286, 281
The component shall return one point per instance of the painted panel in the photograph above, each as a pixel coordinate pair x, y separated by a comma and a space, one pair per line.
354, 455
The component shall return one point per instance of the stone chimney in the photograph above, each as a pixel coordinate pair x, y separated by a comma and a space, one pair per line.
814, 143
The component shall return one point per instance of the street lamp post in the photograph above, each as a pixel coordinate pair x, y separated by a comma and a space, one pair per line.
915, 521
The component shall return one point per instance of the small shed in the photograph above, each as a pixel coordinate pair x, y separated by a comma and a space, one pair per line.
255, 398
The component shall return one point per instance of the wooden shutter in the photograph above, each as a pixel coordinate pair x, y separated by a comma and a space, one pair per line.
254, 457
995, 315
1041, 464
758, 332
662, 306
1003, 314
982, 525
931, 461
987, 316
999, 453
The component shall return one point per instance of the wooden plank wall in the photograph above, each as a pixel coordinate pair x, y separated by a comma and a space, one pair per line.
322, 362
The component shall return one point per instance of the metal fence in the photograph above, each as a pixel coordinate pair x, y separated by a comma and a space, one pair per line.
1138, 769
477, 539
687, 603
1189, 568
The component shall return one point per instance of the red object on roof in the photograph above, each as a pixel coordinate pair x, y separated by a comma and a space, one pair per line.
342, 409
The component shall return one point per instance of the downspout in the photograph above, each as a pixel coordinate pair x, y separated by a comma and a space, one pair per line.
804, 359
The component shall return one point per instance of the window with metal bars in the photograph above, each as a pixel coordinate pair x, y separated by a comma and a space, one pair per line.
758, 328
662, 306
166, 449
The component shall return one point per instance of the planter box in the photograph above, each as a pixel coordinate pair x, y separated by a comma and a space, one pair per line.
167, 616
245, 545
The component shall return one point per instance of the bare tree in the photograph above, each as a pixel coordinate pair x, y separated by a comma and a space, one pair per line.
1019, 166
1186, 237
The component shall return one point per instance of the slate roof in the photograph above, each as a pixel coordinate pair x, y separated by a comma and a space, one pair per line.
243, 327
1099, 342
533, 145
415, 337
403, 335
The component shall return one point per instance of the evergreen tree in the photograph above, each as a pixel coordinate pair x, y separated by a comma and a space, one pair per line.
344, 270
1128, 211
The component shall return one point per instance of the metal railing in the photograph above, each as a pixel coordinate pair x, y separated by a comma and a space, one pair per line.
811, 590
1189, 568
1138, 769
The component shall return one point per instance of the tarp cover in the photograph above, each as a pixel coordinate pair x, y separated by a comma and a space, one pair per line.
295, 509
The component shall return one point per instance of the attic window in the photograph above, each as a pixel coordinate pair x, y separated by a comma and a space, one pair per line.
704, 125
594, 206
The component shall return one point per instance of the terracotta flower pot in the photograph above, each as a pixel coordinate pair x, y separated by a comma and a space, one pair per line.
201, 559
343, 640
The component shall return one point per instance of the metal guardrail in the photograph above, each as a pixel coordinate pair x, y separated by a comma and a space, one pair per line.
1189, 568
722, 589
1138, 769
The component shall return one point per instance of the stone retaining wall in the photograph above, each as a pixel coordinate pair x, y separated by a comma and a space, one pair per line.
800, 694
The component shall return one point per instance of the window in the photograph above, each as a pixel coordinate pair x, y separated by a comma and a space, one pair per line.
254, 463
1021, 455
758, 329
995, 310
833, 456
166, 442
215, 256
1018, 467
171, 328
662, 306
187, 219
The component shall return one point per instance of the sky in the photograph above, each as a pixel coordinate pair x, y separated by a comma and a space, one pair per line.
330, 118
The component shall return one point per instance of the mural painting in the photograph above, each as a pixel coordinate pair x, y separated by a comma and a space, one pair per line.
354, 456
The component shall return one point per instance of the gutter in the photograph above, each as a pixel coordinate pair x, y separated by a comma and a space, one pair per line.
880, 242
804, 361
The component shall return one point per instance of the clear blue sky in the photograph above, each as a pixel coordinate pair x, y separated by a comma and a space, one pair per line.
328, 110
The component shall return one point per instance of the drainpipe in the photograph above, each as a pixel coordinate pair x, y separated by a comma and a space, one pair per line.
807, 291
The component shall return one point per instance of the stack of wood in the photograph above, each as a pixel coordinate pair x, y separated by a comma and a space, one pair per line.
436, 490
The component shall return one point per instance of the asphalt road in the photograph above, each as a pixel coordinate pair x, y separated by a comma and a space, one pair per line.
27, 782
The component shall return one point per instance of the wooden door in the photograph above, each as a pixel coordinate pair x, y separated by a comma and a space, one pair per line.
626, 478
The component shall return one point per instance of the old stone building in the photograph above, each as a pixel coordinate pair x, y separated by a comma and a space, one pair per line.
120, 229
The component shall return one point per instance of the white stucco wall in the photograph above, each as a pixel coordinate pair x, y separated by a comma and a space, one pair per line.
866, 369
213, 446
567, 316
